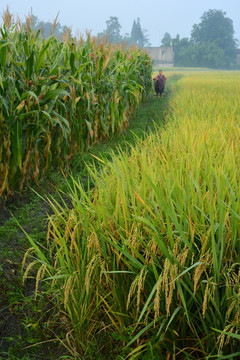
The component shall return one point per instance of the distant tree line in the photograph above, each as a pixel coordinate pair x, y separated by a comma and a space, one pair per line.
212, 43
32, 22
138, 35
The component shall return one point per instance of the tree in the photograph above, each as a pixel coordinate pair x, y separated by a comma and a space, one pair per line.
211, 45
183, 52
206, 54
146, 40
139, 36
113, 30
136, 33
166, 40
212, 56
215, 28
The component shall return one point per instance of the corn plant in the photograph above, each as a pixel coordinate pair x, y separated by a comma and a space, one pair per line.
58, 97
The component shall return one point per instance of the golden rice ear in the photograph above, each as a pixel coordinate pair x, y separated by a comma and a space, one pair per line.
157, 299
27, 253
39, 277
205, 299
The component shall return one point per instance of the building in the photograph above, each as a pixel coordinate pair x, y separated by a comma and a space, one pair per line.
238, 56
161, 55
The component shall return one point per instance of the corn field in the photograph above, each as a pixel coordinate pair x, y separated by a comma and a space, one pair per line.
148, 260
56, 98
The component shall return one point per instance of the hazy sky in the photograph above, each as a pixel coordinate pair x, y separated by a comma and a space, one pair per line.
157, 16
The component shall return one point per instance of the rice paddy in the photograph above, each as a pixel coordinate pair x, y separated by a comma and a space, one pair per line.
146, 263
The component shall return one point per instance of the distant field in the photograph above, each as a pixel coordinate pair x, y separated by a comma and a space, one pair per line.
173, 68
181, 71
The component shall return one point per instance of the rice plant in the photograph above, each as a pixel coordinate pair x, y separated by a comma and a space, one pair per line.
149, 258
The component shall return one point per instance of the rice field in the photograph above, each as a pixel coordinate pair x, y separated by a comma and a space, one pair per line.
147, 264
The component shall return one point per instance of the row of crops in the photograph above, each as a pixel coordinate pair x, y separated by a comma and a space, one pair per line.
58, 97
146, 265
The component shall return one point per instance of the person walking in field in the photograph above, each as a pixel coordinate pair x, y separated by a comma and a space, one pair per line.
159, 83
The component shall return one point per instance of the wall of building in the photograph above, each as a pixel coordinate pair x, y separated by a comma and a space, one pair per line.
238, 56
161, 55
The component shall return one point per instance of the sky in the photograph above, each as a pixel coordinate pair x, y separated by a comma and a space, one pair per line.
156, 16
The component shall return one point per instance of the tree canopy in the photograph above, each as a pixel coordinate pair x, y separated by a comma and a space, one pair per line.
113, 29
212, 42
215, 28
166, 40
137, 34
